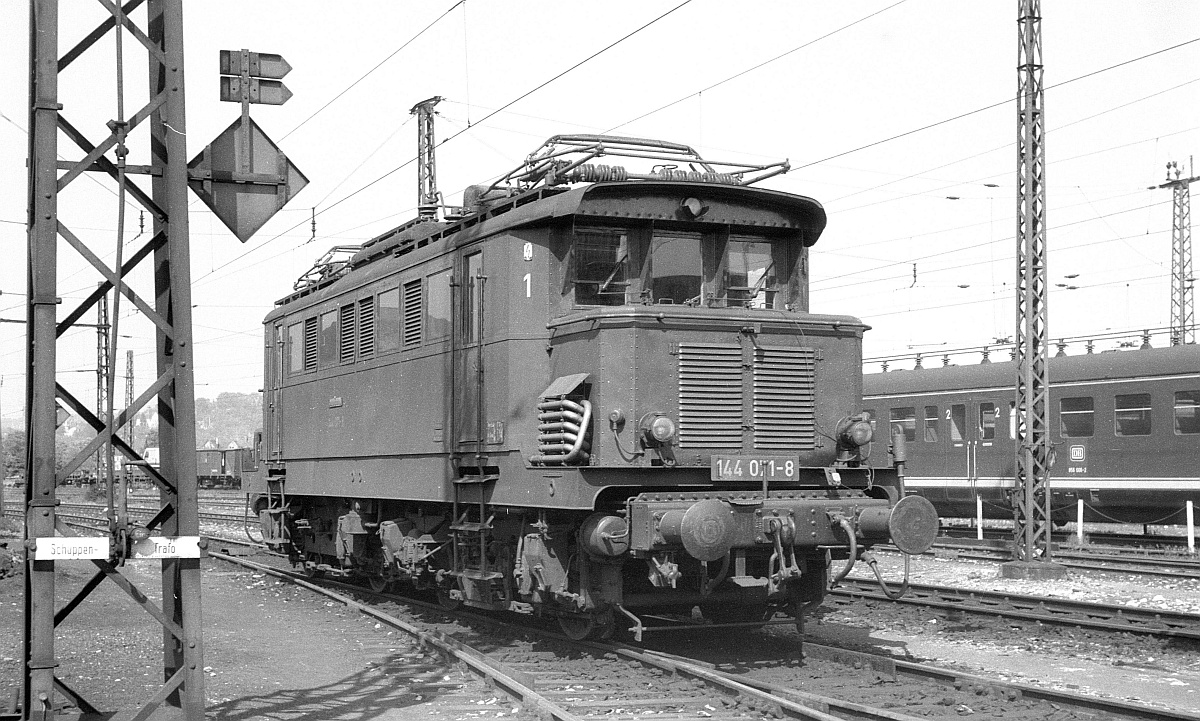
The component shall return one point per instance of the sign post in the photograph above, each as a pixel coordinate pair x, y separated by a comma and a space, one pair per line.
242, 175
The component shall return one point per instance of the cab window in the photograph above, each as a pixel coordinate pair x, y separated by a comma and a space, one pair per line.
676, 272
602, 263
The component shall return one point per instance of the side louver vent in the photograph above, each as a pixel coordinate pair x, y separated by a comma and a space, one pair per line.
784, 398
710, 395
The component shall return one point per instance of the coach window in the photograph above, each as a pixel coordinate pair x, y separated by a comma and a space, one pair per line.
602, 261
906, 418
295, 339
931, 424
389, 320
327, 340
1187, 413
1077, 417
437, 307
1132, 416
676, 272
987, 421
958, 422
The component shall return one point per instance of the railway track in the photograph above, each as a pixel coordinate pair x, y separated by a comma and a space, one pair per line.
1111, 618
1040, 609
1095, 558
574, 680
615, 680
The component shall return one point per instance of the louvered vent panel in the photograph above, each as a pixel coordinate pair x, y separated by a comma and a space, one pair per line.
784, 398
346, 335
412, 313
710, 396
366, 328
310, 344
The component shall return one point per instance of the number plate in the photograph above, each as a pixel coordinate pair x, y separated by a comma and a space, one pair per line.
754, 468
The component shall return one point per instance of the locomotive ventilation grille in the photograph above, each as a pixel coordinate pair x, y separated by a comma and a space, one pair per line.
716, 386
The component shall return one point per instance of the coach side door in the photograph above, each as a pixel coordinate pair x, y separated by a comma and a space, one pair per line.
963, 435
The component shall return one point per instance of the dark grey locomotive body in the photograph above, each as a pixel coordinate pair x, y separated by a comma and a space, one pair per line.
583, 402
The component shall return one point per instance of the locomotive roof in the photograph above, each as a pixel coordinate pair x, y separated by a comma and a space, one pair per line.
603, 201
1111, 365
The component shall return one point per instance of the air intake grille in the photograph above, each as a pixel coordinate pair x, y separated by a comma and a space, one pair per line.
784, 395
710, 396
366, 328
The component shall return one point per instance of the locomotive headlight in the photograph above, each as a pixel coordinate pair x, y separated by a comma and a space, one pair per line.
858, 433
658, 430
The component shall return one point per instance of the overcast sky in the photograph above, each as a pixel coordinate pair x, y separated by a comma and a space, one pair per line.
920, 241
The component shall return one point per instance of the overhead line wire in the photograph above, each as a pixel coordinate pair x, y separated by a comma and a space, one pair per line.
377, 66
455, 135
756, 67
994, 105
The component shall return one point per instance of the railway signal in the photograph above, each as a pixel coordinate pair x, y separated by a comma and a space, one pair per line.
242, 175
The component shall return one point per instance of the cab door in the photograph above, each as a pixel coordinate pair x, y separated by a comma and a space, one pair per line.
468, 363
275, 361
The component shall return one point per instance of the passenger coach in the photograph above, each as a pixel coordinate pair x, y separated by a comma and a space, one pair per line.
1125, 429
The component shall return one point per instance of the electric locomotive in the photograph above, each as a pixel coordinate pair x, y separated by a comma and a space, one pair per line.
594, 392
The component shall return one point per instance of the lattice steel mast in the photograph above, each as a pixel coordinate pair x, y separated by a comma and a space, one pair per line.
1031, 502
182, 693
428, 199
1183, 308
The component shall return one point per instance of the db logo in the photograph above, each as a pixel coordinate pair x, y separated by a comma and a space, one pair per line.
1077, 453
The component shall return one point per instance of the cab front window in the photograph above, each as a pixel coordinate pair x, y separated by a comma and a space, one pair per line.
751, 278
676, 269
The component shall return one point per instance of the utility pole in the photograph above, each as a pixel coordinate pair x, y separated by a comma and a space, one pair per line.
1183, 308
1031, 500
427, 192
